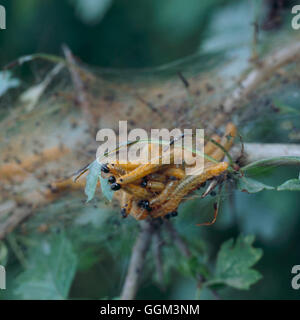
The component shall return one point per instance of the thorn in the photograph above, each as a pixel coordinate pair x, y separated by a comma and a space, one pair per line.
210, 188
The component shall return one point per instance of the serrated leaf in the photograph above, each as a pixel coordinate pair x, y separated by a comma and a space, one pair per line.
50, 272
291, 185
249, 185
92, 180
234, 262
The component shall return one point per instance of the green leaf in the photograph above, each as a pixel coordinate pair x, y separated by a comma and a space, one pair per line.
271, 162
291, 185
251, 186
192, 266
92, 179
50, 272
234, 262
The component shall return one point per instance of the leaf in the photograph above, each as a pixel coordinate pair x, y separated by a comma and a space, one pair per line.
50, 272
271, 162
251, 186
234, 262
106, 189
291, 185
192, 266
92, 180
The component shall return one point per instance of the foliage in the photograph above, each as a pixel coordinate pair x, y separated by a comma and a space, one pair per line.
291, 185
92, 179
50, 270
250, 185
234, 262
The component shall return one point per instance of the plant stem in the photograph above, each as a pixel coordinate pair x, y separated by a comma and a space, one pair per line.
137, 260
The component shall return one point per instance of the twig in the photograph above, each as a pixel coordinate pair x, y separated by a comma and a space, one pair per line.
157, 245
256, 77
181, 245
19, 215
259, 151
137, 259
82, 99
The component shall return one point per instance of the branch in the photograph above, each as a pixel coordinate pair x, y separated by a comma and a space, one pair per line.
181, 245
264, 70
258, 151
252, 152
82, 98
137, 259
14, 220
157, 253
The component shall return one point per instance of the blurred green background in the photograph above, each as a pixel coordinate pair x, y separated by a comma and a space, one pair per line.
109, 33
148, 33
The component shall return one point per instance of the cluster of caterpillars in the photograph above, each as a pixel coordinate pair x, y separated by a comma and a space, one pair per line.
156, 190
